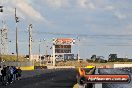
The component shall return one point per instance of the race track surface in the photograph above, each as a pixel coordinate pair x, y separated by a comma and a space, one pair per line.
57, 78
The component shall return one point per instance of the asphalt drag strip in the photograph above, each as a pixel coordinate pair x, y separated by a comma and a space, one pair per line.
64, 78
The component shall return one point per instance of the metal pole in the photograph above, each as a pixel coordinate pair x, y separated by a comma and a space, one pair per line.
53, 47
30, 41
39, 50
46, 54
1, 10
16, 19
1, 47
1, 40
4, 40
78, 50
17, 41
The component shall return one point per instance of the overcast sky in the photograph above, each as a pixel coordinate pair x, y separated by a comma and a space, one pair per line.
103, 26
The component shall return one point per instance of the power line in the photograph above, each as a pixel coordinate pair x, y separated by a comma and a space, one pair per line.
79, 34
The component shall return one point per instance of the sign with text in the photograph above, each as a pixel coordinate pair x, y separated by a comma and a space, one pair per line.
111, 78
62, 48
64, 41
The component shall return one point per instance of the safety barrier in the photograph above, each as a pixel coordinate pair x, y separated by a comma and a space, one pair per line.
29, 65
55, 67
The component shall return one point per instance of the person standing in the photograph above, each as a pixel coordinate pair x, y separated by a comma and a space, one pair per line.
8, 74
4, 78
11, 74
19, 71
0, 74
14, 73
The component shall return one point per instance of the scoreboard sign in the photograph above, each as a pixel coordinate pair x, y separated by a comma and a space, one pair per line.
62, 48
63, 41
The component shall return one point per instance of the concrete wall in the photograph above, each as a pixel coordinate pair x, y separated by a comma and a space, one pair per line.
122, 65
22, 65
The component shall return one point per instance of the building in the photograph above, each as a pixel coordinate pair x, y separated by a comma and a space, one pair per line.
34, 57
114, 58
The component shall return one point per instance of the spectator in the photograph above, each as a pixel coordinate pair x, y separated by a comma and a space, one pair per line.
14, 73
8, 74
11, 74
0, 74
3, 71
19, 71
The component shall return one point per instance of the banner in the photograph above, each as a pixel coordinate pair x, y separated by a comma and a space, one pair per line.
64, 41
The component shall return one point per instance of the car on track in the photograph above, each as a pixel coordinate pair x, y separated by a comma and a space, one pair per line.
82, 72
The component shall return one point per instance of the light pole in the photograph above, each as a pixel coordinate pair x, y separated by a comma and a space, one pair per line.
17, 20
78, 57
46, 51
53, 48
30, 41
40, 51
1, 11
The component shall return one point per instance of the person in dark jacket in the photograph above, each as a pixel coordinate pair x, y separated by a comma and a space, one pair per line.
14, 73
8, 74
3, 72
0, 74
19, 71
11, 74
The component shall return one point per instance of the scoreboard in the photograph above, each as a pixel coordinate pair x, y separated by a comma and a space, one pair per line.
62, 48
63, 45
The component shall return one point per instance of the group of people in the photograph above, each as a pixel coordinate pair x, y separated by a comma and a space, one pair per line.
8, 74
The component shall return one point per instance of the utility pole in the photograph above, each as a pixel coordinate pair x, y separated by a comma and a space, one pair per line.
17, 20
40, 51
4, 40
1, 11
46, 53
30, 41
53, 47
78, 57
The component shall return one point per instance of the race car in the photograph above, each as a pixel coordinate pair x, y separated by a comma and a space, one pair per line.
86, 70
83, 72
